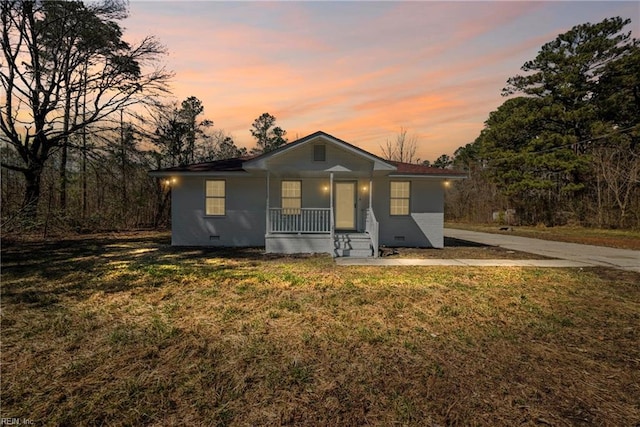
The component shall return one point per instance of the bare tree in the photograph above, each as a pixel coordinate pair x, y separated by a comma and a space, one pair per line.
218, 146
65, 66
403, 149
619, 170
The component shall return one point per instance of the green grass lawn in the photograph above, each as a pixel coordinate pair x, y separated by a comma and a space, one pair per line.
125, 330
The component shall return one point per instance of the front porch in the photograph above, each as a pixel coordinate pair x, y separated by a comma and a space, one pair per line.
312, 230
321, 209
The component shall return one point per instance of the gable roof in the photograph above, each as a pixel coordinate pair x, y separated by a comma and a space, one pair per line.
259, 162
242, 164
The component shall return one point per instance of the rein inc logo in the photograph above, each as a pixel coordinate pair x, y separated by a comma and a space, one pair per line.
16, 422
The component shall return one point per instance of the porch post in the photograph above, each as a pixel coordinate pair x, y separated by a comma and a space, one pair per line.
370, 192
267, 223
331, 201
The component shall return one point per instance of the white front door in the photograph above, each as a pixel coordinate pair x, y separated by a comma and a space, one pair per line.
345, 205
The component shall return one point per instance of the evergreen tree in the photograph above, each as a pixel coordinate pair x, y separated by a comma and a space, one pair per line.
538, 146
268, 136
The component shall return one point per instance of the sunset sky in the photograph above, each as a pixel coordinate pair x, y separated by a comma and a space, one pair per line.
357, 70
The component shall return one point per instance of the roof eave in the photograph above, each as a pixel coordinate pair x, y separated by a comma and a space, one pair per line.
428, 176
259, 163
164, 173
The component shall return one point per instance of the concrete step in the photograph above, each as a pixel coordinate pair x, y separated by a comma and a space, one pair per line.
357, 245
354, 253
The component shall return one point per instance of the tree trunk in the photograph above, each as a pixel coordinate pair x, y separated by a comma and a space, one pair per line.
123, 172
162, 200
84, 175
65, 145
84, 143
63, 178
33, 179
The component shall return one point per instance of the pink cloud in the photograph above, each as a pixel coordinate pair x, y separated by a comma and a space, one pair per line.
359, 71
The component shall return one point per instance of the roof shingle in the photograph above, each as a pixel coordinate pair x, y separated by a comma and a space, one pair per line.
416, 169
226, 165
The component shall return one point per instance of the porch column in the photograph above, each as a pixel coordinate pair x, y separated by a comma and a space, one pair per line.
331, 200
370, 192
267, 223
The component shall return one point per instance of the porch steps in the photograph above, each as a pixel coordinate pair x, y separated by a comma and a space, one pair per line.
357, 245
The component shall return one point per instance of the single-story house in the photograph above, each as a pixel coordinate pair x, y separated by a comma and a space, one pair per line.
318, 194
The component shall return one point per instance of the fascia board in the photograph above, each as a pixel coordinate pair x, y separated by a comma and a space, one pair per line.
433, 177
161, 174
378, 164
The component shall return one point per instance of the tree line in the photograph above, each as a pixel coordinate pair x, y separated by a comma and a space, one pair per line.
84, 119
565, 146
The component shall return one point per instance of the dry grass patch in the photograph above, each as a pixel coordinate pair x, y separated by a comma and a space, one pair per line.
131, 331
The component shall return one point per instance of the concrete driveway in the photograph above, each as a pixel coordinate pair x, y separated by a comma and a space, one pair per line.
624, 259
566, 254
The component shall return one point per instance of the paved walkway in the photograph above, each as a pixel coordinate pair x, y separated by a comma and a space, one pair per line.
567, 254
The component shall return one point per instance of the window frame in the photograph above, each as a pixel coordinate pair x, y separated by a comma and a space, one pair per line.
291, 210
393, 198
215, 197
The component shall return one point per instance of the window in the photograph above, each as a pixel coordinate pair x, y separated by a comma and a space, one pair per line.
291, 197
399, 200
215, 197
319, 153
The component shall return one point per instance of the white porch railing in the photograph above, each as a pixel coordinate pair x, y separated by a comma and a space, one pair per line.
371, 228
304, 220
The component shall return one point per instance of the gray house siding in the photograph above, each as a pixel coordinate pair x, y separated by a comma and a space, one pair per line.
316, 193
313, 191
243, 225
301, 159
247, 222
424, 226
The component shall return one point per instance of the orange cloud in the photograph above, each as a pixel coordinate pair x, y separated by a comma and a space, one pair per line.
357, 70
